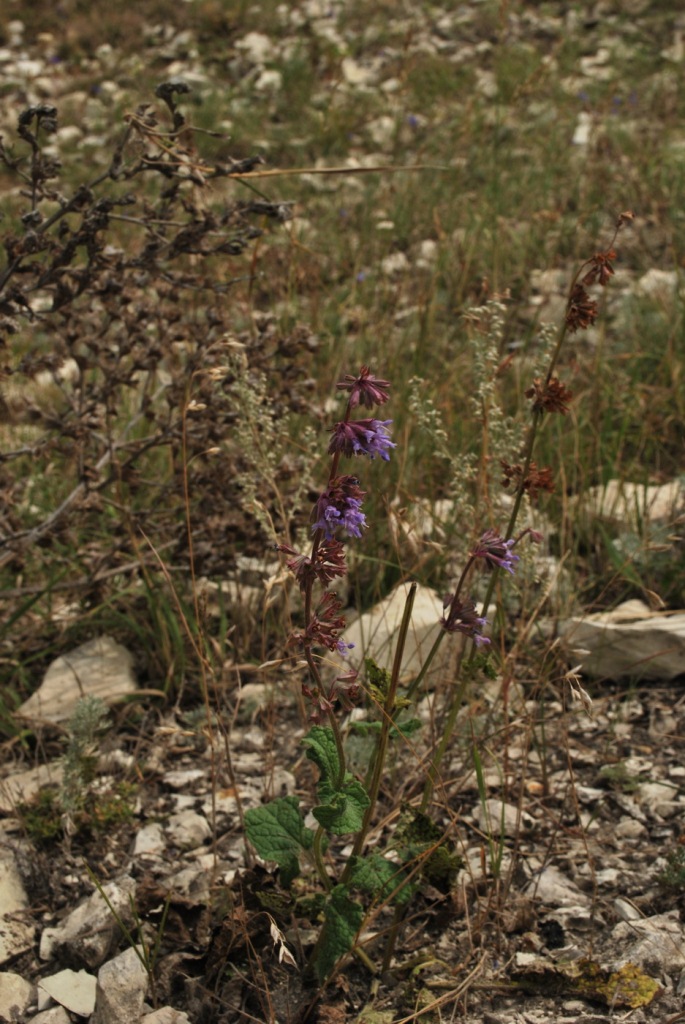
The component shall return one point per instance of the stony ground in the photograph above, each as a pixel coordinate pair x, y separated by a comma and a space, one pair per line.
581, 921
566, 900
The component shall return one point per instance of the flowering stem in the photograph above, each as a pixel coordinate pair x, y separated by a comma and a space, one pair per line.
516, 508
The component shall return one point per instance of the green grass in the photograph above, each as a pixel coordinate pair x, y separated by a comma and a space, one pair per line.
505, 193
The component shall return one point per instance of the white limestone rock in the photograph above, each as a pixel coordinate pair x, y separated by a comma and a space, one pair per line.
99, 668
187, 830
89, 931
495, 817
166, 1015
632, 505
121, 987
630, 642
374, 633
16, 936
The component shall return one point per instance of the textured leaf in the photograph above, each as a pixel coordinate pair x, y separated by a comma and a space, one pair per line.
322, 750
341, 811
278, 833
341, 808
342, 920
377, 876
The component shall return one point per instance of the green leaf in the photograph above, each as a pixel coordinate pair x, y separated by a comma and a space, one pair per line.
399, 728
341, 810
342, 920
377, 876
323, 751
278, 833
415, 835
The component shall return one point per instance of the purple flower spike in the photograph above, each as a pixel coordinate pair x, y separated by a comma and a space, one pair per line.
340, 506
496, 551
362, 437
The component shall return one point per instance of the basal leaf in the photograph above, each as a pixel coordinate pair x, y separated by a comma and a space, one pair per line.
278, 833
377, 876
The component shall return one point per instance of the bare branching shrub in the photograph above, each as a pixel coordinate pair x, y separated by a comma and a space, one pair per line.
124, 320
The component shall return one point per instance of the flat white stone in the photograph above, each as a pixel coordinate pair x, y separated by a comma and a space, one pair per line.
256, 46
657, 944
270, 80
659, 284
166, 1015
629, 828
356, 74
99, 668
89, 930
495, 817
554, 889
181, 777
583, 130
55, 1015
632, 504
394, 264
74, 990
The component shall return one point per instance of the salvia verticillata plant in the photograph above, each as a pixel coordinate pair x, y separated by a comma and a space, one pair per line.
346, 805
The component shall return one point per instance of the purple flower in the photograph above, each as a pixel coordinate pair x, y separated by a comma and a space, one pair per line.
340, 506
362, 437
366, 389
461, 617
496, 551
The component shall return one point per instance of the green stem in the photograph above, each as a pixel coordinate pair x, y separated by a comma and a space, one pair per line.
337, 735
382, 745
318, 858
